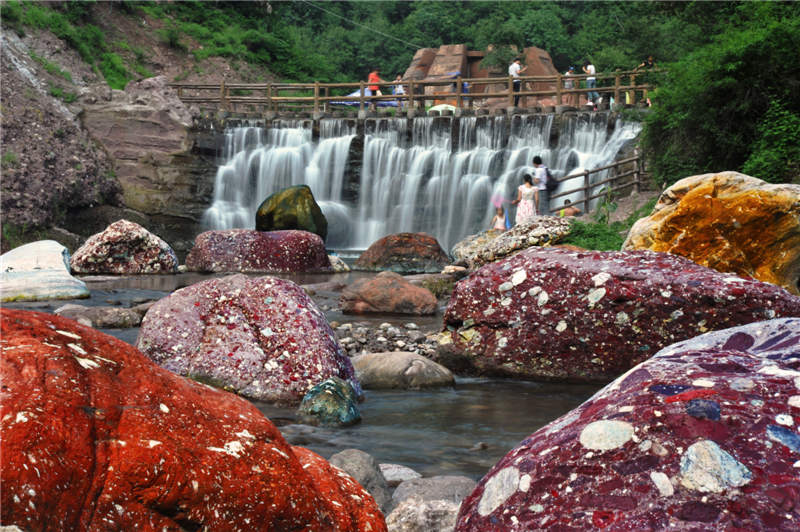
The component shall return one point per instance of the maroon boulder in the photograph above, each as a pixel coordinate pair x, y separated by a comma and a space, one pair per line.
124, 248
97, 437
404, 253
702, 437
387, 292
261, 337
553, 313
246, 250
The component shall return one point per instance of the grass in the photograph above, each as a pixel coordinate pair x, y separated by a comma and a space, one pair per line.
61, 94
9, 159
601, 235
51, 68
439, 287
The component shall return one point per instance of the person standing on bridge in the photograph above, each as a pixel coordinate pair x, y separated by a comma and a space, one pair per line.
591, 82
569, 84
398, 90
373, 79
514, 70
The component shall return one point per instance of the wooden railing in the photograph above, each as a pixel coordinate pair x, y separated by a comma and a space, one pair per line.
625, 173
317, 97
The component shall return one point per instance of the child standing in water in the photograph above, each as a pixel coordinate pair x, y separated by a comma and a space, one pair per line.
499, 220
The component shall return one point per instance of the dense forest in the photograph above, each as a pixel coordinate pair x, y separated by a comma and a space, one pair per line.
729, 98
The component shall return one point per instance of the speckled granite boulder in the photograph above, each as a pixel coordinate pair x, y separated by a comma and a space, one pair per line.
124, 248
730, 222
97, 437
702, 436
38, 271
387, 292
404, 253
262, 337
331, 403
557, 314
246, 250
467, 247
539, 231
292, 208
417, 515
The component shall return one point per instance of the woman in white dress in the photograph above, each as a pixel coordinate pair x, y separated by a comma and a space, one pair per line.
527, 197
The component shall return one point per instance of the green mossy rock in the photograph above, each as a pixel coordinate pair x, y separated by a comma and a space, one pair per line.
292, 208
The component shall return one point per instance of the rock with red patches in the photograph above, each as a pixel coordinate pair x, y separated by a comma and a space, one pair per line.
97, 437
246, 250
404, 253
552, 313
387, 292
261, 337
631, 459
124, 248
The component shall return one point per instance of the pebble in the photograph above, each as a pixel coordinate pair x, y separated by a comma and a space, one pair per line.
606, 434
706, 467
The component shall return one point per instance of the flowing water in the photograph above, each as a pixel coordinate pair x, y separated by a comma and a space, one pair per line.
439, 179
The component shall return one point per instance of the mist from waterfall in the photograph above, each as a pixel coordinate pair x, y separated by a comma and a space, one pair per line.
439, 181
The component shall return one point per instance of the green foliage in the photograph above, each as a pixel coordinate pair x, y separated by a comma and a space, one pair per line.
439, 287
13, 235
594, 235
61, 94
113, 68
11, 15
51, 67
9, 159
711, 112
775, 155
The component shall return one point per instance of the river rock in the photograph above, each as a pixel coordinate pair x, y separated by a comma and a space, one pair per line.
440, 488
96, 436
404, 253
396, 473
365, 470
246, 250
101, 317
292, 208
332, 403
262, 337
538, 231
730, 222
417, 515
552, 313
387, 292
338, 265
703, 436
38, 271
405, 371
124, 248
469, 245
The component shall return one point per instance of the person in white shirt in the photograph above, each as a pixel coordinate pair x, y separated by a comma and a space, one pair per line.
540, 178
398, 90
591, 82
514, 70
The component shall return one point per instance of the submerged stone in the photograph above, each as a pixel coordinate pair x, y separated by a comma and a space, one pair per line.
331, 403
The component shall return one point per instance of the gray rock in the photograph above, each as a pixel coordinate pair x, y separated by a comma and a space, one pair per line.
452, 489
39, 271
396, 473
400, 370
102, 317
365, 470
417, 515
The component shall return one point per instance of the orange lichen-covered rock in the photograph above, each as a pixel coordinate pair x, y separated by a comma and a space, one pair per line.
98, 437
730, 222
354, 507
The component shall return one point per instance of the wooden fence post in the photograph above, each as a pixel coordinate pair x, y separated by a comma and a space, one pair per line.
511, 91
586, 191
636, 168
459, 84
616, 88
222, 94
361, 98
558, 89
316, 98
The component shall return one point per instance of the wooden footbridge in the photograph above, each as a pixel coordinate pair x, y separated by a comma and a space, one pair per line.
542, 93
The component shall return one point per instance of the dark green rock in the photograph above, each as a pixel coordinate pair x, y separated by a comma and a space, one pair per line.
292, 208
331, 402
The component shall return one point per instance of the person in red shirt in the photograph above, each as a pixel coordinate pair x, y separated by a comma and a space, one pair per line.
375, 90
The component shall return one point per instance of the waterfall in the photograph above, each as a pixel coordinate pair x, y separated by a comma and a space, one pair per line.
439, 179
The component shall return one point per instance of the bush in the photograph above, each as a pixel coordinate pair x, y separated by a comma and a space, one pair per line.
113, 69
775, 156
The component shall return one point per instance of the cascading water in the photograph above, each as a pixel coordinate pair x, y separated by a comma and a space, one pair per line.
425, 184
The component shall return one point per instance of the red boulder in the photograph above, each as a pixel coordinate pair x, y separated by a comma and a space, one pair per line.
262, 337
558, 314
703, 436
247, 250
387, 292
97, 437
404, 253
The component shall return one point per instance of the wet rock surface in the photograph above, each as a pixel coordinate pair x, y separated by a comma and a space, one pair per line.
332, 403
730, 222
486, 248
245, 250
39, 271
400, 370
96, 436
263, 337
388, 292
362, 337
703, 436
553, 313
124, 248
365, 470
292, 208
404, 253
102, 317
